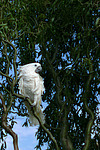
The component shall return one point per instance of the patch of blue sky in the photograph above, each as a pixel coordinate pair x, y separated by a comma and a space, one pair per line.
26, 136
66, 57
37, 49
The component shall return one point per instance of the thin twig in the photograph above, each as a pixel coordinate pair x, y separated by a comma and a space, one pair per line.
5, 88
7, 76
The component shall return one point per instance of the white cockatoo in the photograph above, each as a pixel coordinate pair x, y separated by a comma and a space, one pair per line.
31, 85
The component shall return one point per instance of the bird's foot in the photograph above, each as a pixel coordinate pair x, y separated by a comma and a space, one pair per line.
33, 104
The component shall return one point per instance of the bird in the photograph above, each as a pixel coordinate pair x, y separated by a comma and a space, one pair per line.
31, 85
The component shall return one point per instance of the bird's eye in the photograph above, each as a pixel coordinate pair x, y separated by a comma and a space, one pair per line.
35, 65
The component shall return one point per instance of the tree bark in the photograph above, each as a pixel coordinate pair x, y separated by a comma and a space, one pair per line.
8, 128
12, 133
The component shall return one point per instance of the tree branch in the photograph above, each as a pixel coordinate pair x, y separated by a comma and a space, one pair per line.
42, 125
90, 123
66, 141
14, 60
7, 127
7, 76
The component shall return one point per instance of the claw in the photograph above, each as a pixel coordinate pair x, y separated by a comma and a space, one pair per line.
33, 104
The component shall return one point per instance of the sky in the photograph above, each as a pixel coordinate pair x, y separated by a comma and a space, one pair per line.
26, 136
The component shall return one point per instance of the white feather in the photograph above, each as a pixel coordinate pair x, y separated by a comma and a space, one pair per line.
31, 85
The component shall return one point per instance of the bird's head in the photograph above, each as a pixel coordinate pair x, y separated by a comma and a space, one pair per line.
37, 67
32, 67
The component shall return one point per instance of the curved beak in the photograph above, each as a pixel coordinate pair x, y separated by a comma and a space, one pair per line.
38, 69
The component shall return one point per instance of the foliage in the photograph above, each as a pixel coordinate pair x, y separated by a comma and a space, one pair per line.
64, 37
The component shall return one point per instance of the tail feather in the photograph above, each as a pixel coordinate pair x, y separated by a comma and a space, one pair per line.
39, 113
34, 121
